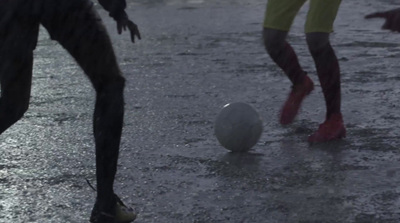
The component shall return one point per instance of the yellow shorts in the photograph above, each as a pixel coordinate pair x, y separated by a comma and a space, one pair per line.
321, 15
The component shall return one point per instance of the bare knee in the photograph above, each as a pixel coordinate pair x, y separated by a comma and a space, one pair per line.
117, 83
109, 101
274, 41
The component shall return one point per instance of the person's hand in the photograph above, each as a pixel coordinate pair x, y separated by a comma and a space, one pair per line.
392, 19
124, 23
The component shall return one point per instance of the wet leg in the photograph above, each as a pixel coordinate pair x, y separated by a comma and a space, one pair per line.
283, 54
81, 32
328, 70
329, 76
285, 57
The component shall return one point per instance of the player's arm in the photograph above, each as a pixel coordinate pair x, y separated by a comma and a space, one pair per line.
116, 9
392, 18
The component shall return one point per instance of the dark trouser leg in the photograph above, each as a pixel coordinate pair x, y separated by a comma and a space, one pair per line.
328, 70
283, 54
16, 75
77, 27
18, 35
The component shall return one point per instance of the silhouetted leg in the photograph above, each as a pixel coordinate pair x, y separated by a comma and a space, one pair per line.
18, 35
78, 28
16, 75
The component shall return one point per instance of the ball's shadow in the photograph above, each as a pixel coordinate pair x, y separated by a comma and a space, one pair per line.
246, 160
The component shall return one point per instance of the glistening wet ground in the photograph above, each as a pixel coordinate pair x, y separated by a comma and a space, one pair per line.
196, 56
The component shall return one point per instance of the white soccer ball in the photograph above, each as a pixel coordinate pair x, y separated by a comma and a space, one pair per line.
238, 127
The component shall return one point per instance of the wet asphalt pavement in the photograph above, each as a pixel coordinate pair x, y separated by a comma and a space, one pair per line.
196, 56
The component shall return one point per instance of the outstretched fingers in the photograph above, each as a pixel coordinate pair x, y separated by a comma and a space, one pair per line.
119, 28
125, 24
134, 30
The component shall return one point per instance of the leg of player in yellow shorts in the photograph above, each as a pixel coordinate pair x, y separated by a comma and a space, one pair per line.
321, 15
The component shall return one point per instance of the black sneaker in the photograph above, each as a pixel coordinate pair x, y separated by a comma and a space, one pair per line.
119, 213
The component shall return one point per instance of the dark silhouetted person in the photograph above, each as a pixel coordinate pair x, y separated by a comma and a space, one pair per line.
78, 28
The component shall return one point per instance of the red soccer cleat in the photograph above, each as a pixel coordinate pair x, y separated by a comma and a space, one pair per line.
331, 129
293, 103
